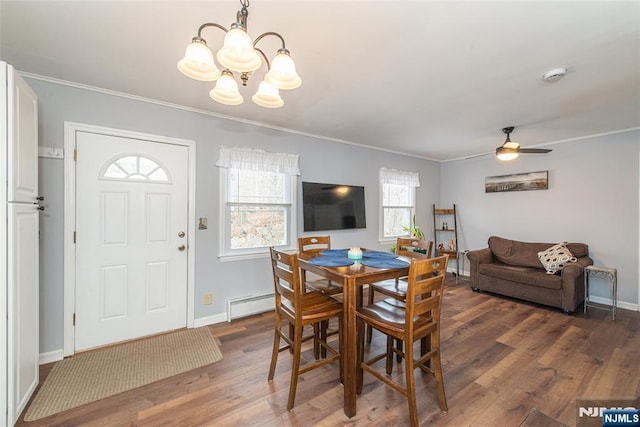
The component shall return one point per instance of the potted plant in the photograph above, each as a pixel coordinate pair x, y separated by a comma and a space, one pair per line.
414, 231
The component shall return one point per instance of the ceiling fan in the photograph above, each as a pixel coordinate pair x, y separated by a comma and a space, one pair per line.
510, 150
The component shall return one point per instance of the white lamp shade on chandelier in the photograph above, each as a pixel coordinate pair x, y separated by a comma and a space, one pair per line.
198, 62
239, 54
283, 71
268, 96
226, 90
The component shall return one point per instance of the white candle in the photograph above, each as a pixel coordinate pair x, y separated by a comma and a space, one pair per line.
355, 253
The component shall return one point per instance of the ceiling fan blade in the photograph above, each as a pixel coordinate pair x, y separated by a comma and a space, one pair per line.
535, 150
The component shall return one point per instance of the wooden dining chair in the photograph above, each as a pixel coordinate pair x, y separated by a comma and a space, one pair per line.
397, 289
419, 320
315, 245
300, 309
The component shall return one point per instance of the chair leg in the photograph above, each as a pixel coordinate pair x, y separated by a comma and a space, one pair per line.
369, 328
359, 355
411, 385
316, 336
425, 347
437, 369
276, 348
324, 325
399, 353
291, 332
341, 346
295, 368
389, 358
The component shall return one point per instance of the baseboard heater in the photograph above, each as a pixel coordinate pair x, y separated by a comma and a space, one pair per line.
248, 305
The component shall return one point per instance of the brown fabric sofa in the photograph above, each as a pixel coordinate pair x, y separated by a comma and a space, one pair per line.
512, 268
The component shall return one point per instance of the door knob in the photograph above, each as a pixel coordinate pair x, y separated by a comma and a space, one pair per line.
182, 247
40, 208
41, 198
181, 234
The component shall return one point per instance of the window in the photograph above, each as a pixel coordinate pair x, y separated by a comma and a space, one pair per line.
134, 167
398, 196
257, 201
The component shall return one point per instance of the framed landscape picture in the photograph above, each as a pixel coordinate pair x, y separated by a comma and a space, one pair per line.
517, 182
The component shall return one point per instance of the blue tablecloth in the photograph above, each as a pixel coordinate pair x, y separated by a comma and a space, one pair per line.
384, 263
331, 261
335, 252
379, 254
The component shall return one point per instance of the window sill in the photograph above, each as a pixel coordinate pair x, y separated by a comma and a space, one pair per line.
252, 255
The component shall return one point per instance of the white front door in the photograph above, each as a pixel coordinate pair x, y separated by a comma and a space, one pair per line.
131, 238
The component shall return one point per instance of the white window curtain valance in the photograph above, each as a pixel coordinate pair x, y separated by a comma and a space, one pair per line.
393, 176
258, 160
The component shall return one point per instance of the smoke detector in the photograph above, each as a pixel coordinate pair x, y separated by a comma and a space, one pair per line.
554, 75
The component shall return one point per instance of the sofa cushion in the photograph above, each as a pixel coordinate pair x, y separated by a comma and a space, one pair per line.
578, 249
513, 252
556, 257
526, 275
525, 254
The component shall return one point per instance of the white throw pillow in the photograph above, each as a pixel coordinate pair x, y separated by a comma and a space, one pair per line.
556, 257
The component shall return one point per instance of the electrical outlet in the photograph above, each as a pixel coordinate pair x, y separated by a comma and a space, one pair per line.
208, 298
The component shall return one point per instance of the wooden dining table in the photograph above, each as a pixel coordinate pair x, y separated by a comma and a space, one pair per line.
353, 278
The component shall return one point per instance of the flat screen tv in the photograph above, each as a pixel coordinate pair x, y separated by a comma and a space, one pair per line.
332, 206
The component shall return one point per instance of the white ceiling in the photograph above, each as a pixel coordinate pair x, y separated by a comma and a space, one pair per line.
433, 79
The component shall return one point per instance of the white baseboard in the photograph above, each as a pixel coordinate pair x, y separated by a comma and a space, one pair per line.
51, 356
210, 320
620, 304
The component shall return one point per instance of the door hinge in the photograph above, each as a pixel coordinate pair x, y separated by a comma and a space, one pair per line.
75, 154
74, 237
74, 319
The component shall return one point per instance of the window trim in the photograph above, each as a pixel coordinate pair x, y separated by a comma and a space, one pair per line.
392, 239
253, 253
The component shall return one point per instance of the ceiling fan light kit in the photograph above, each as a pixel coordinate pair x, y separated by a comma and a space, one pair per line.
510, 150
240, 54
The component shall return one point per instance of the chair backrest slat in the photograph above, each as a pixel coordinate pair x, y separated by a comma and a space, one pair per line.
414, 248
313, 244
425, 287
286, 277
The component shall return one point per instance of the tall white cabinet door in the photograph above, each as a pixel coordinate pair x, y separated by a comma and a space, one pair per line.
23, 298
132, 243
20, 144
22, 135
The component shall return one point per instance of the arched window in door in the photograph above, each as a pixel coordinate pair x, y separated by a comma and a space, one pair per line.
136, 168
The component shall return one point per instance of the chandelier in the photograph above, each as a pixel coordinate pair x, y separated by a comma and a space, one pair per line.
239, 54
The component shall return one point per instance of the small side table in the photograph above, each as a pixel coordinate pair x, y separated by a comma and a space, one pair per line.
606, 273
462, 255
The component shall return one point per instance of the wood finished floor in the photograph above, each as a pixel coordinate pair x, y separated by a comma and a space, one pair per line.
501, 359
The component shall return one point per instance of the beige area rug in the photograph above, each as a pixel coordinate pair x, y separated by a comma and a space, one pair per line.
102, 373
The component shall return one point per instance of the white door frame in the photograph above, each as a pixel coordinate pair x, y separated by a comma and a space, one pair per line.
70, 130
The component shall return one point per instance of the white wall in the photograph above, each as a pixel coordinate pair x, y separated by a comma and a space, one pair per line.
320, 161
592, 198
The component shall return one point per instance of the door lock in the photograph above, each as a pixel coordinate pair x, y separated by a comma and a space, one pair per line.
182, 247
181, 234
